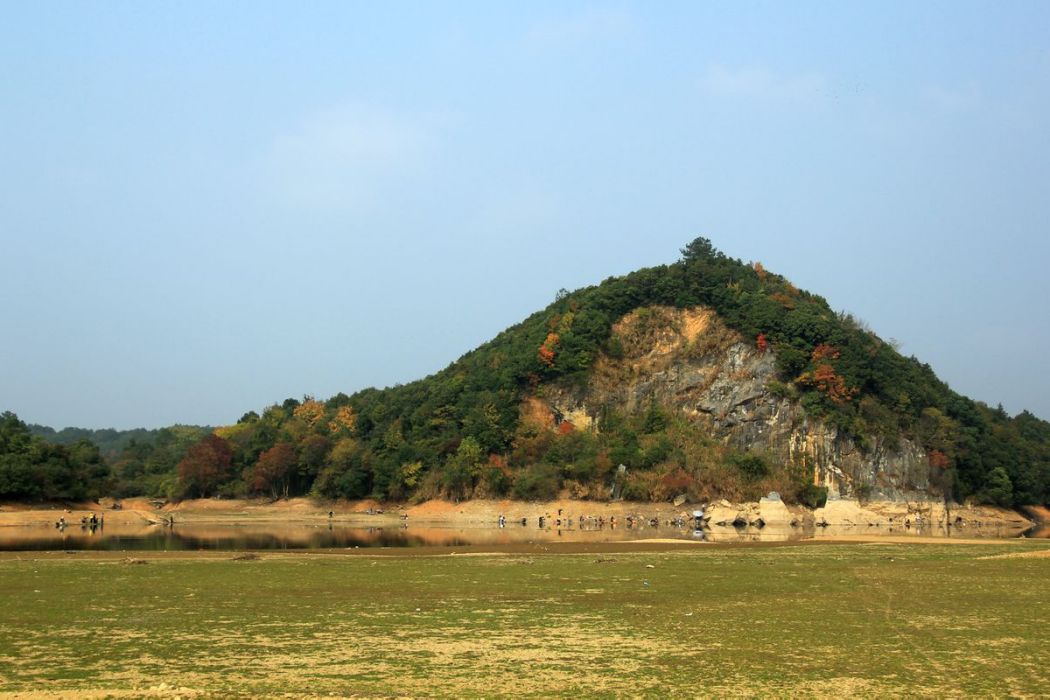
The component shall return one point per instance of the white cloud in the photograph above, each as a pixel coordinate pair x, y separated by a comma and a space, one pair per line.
763, 84
345, 157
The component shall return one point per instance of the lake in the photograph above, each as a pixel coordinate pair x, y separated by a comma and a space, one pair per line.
189, 537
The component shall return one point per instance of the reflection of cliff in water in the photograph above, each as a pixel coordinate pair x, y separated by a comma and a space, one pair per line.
1040, 532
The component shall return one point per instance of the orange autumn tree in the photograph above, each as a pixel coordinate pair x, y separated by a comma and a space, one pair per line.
824, 377
783, 299
546, 352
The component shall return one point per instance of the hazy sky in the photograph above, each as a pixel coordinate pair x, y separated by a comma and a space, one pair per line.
208, 207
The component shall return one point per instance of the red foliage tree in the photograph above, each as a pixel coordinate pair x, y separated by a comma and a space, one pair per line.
677, 480
824, 352
273, 471
825, 378
828, 382
938, 460
566, 427
206, 465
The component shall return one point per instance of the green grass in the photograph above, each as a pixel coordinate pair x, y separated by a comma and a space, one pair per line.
833, 620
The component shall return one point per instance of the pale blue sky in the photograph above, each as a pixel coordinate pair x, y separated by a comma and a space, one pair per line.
208, 207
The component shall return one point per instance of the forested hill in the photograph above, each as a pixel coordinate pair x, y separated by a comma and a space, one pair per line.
476, 429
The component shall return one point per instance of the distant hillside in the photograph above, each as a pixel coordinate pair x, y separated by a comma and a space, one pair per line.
75, 463
109, 441
704, 377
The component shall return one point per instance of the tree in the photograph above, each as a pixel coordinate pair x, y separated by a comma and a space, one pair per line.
346, 473
274, 470
463, 468
14, 434
655, 419
310, 412
207, 464
546, 351
16, 477
700, 249
997, 488
312, 453
344, 422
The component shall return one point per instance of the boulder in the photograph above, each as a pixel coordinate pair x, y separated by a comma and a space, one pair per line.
845, 512
719, 514
773, 512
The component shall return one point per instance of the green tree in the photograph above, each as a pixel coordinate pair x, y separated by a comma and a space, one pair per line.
463, 469
997, 488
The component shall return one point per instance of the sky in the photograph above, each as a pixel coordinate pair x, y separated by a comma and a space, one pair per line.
206, 208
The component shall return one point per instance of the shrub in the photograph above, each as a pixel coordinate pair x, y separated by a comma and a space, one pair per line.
752, 467
813, 496
539, 482
637, 487
781, 390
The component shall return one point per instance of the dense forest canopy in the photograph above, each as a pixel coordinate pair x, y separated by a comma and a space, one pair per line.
462, 432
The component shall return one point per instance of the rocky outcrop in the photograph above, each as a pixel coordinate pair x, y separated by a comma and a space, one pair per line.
851, 517
688, 361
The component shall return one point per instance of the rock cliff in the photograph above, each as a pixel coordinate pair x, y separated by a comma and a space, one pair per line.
689, 362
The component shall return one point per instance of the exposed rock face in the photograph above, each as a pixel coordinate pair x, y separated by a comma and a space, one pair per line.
688, 361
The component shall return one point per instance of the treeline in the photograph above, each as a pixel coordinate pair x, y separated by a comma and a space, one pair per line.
33, 468
462, 432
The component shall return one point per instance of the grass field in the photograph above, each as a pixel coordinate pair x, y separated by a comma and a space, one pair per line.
823, 620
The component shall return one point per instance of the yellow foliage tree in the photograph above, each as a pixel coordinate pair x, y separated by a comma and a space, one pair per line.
310, 412
345, 420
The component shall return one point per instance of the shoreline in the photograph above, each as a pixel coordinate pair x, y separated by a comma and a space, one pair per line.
877, 518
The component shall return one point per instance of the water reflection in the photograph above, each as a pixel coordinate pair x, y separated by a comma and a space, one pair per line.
1039, 532
190, 536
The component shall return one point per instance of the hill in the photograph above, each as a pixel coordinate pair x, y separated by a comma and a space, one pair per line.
706, 377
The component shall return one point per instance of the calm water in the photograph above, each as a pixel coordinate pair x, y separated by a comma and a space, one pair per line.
305, 537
